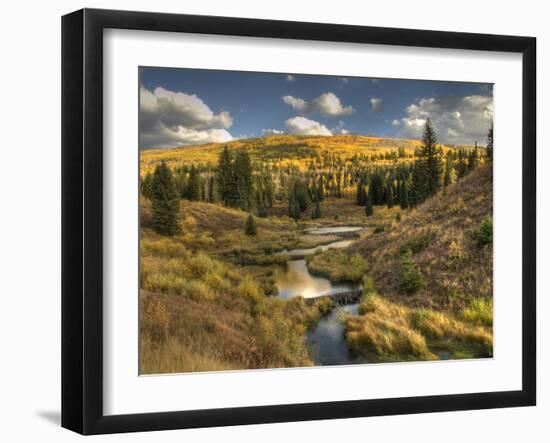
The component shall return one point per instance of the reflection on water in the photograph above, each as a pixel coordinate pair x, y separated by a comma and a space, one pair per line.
327, 344
295, 279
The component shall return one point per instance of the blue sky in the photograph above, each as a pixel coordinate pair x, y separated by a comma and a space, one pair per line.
188, 106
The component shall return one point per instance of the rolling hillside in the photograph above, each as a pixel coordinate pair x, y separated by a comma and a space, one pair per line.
441, 234
279, 148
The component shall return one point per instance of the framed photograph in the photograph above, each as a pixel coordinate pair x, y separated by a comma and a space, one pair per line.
269, 221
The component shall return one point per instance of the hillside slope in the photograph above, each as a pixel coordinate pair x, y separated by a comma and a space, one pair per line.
277, 148
442, 234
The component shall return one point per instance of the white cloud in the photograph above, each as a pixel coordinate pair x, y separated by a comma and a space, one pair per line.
272, 132
169, 119
290, 78
374, 80
298, 104
376, 104
327, 104
344, 131
304, 126
344, 80
457, 120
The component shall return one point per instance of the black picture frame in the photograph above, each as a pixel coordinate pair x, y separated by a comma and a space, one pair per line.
82, 218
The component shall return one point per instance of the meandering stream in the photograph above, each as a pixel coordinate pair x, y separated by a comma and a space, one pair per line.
326, 343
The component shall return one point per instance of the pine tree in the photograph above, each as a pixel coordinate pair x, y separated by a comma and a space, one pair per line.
389, 196
301, 194
260, 204
376, 189
316, 212
225, 177
369, 210
404, 197
448, 173
293, 205
320, 190
244, 180
165, 202
193, 185
361, 195
428, 165
473, 159
489, 148
250, 226
146, 186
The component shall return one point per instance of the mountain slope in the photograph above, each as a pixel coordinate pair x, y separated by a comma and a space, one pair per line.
441, 233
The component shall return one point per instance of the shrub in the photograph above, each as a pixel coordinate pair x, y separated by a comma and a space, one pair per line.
250, 227
484, 235
417, 244
411, 277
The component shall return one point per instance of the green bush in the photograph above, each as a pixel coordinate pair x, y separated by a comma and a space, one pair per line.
417, 244
484, 235
250, 227
411, 277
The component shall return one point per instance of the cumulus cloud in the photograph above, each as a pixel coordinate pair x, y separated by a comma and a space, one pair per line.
376, 104
327, 104
457, 120
272, 132
169, 119
290, 78
304, 126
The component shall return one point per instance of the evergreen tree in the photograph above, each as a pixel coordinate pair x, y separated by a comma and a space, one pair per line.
320, 190
225, 177
473, 159
244, 180
369, 210
293, 205
147, 186
211, 194
260, 204
389, 196
301, 194
429, 166
448, 173
376, 189
250, 226
404, 197
317, 210
489, 148
165, 202
361, 195
194, 185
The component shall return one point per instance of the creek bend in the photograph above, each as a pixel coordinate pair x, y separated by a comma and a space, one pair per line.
326, 342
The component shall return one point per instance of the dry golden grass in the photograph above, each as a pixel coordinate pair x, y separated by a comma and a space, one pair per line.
454, 268
387, 331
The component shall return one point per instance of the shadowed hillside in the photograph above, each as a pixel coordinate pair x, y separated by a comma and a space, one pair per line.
442, 236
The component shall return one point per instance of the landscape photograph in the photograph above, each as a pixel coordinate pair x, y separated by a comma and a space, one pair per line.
297, 220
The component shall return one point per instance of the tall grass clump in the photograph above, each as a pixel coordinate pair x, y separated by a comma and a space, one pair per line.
479, 311
337, 265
